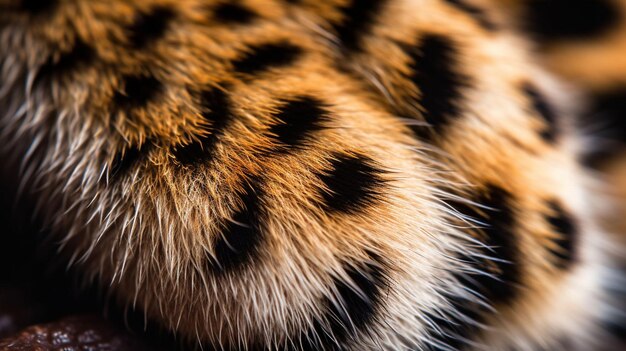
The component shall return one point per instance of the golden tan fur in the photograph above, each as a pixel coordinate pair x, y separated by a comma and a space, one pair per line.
146, 235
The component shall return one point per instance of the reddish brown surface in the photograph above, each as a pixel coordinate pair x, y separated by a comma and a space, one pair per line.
75, 333
41, 306
17, 310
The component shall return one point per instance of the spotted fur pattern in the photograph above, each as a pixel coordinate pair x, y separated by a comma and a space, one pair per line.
308, 175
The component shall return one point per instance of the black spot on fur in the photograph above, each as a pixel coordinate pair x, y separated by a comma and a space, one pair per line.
498, 223
36, 7
607, 118
352, 310
477, 13
360, 304
298, 119
149, 27
554, 20
78, 57
454, 331
128, 158
266, 56
609, 108
215, 107
352, 183
315, 337
563, 224
242, 235
436, 75
545, 111
358, 18
233, 13
137, 91
616, 327
501, 238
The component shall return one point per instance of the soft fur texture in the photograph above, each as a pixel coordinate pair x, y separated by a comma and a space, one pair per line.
337, 175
